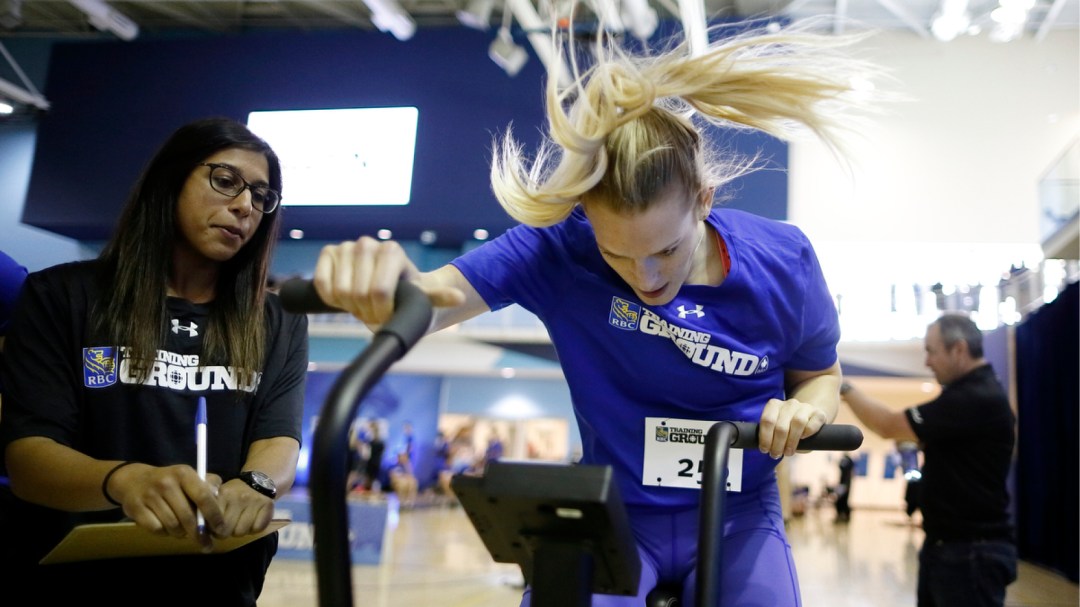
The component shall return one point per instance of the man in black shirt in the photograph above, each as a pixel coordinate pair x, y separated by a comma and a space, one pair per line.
967, 435
843, 489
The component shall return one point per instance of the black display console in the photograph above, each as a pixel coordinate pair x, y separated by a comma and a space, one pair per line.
564, 525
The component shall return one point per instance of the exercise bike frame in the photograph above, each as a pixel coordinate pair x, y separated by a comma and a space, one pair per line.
566, 527
329, 450
720, 439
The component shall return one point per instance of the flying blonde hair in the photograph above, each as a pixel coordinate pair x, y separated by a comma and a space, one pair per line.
630, 124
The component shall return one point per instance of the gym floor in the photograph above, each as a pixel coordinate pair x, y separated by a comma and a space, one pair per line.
432, 556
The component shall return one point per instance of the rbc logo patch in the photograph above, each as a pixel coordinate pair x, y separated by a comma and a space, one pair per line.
624, 314
662, 434
99, 367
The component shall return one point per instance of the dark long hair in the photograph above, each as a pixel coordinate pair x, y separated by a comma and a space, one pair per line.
137, 260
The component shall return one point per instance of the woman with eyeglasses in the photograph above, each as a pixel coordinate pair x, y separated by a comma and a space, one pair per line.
668, 314
106, 361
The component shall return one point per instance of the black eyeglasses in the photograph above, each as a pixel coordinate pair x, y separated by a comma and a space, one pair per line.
225, 180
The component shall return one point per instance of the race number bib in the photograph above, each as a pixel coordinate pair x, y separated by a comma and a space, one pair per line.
675, 454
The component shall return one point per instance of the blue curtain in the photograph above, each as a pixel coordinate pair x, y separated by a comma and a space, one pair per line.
1048, 394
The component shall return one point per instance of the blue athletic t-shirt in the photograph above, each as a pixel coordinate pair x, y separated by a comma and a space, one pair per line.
712, 353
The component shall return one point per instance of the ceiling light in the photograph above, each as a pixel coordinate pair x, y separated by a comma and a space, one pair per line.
477, 14
384, 234
428, 237
107, 19
1009, 19
388, 16
6, 108
17, 94
506, 54
480, 234
296, 234
951, 20
538, 32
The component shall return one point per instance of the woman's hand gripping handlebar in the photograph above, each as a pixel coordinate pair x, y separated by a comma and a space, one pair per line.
412, 308
831, 437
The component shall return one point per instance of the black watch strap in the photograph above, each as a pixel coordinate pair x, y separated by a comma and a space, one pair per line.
260, 481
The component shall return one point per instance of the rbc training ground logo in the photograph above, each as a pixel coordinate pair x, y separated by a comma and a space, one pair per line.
679, 434
662, 434
99, 367
624, 314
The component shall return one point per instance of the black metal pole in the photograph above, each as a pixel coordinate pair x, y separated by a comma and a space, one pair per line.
329, 451
329, 473
723, 436
713, 487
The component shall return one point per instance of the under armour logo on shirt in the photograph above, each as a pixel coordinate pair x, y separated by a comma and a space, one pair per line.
192, 329
697, 311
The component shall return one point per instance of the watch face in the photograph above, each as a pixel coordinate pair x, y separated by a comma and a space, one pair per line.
260, 482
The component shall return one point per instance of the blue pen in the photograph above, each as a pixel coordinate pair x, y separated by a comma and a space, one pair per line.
200, 452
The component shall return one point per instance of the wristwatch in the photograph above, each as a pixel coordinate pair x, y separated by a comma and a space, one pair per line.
260, 482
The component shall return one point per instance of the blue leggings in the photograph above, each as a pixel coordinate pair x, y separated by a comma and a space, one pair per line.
756, 569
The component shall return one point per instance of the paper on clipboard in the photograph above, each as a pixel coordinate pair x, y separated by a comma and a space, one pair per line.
126, 539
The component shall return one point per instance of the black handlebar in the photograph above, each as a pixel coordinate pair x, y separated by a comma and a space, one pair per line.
831, 437
329, 451
412, 309
300, 297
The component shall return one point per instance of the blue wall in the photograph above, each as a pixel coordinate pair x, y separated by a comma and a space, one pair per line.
115, 102
34, 248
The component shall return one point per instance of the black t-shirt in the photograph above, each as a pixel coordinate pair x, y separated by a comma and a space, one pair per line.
967, 435
64, 383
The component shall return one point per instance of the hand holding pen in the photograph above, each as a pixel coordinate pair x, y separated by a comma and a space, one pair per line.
161, 499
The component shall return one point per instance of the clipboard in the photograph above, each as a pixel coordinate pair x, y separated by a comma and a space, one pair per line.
126, 539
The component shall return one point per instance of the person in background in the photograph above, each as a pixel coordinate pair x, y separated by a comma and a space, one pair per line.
440, 480
464, 458
373, 465
403, 480
408, 441
441, 450
967, 433
495, 447
359, 450
668, 313
843, 489
105, 362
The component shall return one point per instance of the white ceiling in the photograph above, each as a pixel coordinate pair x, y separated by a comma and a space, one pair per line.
65, 18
